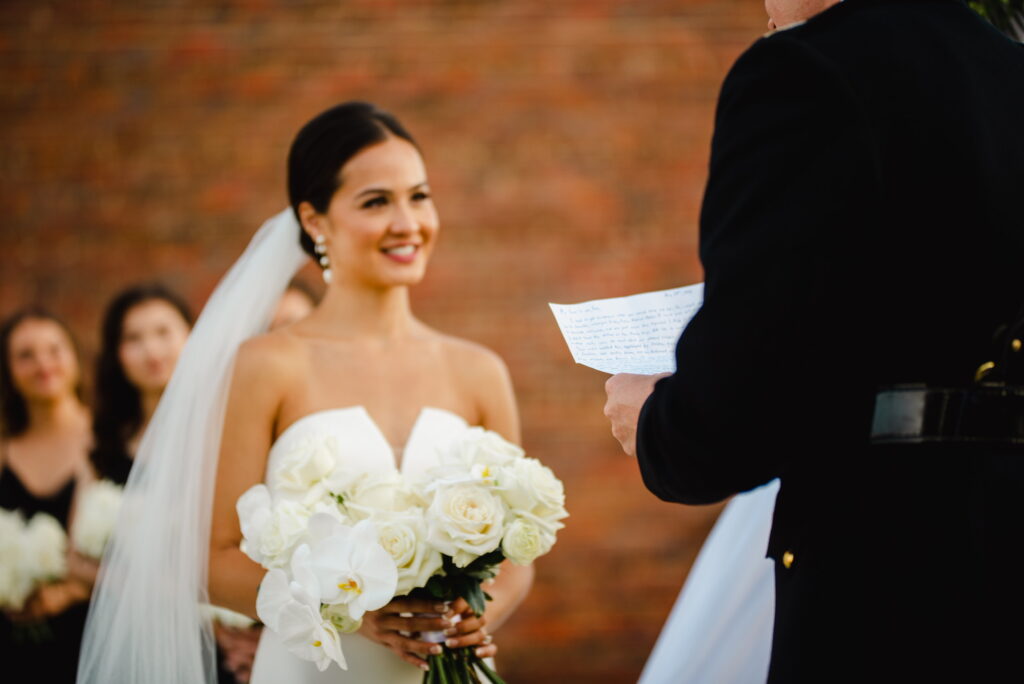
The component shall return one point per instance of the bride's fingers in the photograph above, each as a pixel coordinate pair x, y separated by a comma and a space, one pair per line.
410, 605
466, 625
478, 637
459, 607
487, 651
399, 623
411, 651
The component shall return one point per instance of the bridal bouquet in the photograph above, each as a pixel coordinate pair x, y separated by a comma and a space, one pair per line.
31, 553
95, 517
485, 502
338, 542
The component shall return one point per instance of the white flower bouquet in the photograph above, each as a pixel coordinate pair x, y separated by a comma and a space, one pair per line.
95, 517
337, 543
485, 501
31, 554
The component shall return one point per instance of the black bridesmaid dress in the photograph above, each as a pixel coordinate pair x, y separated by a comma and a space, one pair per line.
49, 654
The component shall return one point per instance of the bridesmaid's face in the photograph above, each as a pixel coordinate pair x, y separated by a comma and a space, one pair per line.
381, 224
43, 362
152, 336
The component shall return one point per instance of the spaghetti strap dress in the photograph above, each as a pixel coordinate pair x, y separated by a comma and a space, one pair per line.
46, 652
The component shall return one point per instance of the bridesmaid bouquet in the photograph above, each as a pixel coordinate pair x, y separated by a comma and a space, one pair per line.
338, 542
95, 517
31, 554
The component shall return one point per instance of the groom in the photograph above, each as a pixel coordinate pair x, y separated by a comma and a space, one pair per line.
862, 227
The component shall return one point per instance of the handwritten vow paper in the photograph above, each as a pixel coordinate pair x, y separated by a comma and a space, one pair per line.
636, 334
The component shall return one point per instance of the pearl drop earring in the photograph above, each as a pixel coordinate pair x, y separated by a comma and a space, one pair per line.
325, 263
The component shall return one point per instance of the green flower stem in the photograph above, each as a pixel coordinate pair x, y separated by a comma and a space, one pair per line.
437, 664
459, 666
452, 668
476, 661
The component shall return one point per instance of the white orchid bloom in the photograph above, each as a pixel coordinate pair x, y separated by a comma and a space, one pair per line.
292, 612
349, 565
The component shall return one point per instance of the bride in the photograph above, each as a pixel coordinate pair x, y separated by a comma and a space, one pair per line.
361, 367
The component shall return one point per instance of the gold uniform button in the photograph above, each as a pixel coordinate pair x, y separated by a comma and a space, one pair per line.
787, 559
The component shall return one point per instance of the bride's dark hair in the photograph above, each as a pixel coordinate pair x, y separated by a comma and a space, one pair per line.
324, 145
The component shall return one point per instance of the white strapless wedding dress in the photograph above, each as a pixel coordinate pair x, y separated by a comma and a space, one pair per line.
359, 436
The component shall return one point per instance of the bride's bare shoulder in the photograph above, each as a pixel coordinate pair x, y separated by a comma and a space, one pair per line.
483, 376
271, 355
473, 360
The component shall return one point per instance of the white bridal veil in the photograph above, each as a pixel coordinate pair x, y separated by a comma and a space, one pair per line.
145, 623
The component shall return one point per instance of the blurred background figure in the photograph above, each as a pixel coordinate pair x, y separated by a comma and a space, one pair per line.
296, 303
43, 457
144, 331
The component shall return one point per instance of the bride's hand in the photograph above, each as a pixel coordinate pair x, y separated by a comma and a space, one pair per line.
387, 625
469, 630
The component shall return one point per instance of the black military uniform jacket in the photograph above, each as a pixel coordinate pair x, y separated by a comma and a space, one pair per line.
863, 225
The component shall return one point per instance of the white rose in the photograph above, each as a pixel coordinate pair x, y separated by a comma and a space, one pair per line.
404, 537
285, 529
47, 545
465, 521
385, 491
485, 446
270, 530
528, 486
303, 471
95, 518
342, 479
525, 541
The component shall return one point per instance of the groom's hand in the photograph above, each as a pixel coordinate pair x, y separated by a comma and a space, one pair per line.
626, 396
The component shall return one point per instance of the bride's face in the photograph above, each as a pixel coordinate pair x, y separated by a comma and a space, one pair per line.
381, 223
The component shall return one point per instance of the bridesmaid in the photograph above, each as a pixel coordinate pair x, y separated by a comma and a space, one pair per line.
297, 302
43, 457
144, 331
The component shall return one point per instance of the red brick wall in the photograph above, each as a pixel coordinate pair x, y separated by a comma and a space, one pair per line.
567, 144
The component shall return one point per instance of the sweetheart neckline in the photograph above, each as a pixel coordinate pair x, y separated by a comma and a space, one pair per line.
361, 409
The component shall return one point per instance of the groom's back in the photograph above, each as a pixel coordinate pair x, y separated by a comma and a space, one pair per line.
943, 94
924, 273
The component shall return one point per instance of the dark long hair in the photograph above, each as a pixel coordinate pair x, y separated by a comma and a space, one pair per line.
13, 409
324, 145
118, 403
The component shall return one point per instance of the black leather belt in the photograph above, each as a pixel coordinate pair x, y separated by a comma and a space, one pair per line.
914, 414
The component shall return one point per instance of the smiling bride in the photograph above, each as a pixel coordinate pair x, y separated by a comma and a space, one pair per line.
361, 368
